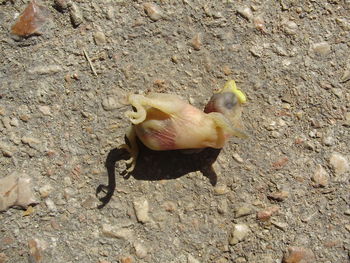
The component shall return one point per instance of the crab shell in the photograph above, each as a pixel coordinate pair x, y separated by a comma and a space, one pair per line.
166, 122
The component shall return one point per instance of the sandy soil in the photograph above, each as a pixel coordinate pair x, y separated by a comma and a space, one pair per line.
285, 188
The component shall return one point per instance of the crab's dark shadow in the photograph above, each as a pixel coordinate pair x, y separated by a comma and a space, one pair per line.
159, 165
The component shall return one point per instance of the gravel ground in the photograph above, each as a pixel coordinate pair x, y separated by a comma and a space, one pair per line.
282, 195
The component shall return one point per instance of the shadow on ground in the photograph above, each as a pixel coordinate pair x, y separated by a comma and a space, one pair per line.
159, 165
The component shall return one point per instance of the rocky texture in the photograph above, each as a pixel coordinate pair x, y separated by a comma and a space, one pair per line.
61, 123
16, 190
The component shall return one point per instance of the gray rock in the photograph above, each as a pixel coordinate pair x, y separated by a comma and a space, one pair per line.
45, 69
243, 210
115, 232
75, 13
110, 103
321, 48
100, 38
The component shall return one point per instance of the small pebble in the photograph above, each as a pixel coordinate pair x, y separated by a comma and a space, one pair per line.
61, 5
266, 214
45, 190
279, 196
169, 206
140, 249
100, 38
237, 158
6, 149
240, 260
75, 13
110, 103
246, 12
120, 233
43, 70
321, 48
35, 251
14, 122
50, 205
223, 206
243, 210
338, 92
31, 141
239, 233
196, 41
290, 27
141, 210
299, 255
128, 259
45, 110
346, 75
257, 51
280, 225
339, 163
347, 119
192, 259
153, 11
328, 140
31, 21
221, 189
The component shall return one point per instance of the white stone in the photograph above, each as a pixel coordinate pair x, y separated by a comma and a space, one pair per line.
153, 11
121, 233
246, 12
339, 163
321, 48
140, 249
141, 210
45, 190
239, 233
45, 110
320, 176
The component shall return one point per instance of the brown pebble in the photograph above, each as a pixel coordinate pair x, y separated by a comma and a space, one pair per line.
128, 259
226, 70
278, 196
153, 11
3, 258
265, 214
61, 5
197, 41
299, 255
35, 251
31, 20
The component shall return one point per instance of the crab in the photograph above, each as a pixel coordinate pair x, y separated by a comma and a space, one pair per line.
167, 122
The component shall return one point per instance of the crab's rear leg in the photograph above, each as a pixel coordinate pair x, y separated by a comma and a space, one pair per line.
132, 148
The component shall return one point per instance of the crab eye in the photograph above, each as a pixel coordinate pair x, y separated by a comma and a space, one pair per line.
221, 102
227, 100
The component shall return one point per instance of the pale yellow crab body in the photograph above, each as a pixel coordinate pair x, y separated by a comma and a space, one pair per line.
166, 122
160, 131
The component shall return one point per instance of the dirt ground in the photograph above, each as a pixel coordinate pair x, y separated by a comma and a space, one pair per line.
282, 195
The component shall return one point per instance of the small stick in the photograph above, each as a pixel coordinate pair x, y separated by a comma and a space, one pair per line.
89, 61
